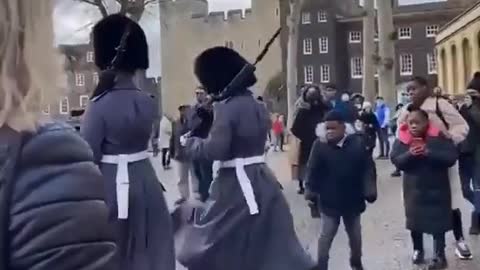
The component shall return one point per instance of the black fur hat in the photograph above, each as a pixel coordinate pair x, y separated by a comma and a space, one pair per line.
107, 34
216, 67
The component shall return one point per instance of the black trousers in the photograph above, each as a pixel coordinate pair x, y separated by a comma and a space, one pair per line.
466, 168
165, 157
384, 142
204, 172
438, 242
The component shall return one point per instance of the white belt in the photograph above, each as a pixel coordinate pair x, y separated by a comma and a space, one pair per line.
245, 183
122, 178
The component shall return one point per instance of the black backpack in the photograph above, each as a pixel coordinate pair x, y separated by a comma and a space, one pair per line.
7, 174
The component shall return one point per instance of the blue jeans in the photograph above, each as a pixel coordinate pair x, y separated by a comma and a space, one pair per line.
203, 172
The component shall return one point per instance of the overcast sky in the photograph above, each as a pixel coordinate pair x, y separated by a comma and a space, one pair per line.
73, 22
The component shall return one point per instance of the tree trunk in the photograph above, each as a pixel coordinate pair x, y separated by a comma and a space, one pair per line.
368, 83
386, 52
293, 26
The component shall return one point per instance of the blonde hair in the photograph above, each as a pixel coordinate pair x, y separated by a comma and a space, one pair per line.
30, 67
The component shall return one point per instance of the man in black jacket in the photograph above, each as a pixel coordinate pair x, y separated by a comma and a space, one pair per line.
340, 177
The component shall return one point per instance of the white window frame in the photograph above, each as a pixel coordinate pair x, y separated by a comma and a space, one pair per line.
324, 73
79, 79
308, 74
46, 109
306, 17
404, 33
95, 78
431, 30
406, 69
432, 64
307, 46
83, 98
322, 16
356, 67
90, 57
60, 109
355, 37
323, 44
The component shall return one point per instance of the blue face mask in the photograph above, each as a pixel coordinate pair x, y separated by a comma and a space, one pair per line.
379, 103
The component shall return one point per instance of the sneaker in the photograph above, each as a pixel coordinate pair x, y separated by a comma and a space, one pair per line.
463, 251
439, 262
418, 257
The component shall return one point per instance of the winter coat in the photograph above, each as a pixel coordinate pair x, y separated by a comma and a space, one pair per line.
348, 110
338, 174
304, 128
58, 217
165, 133
294, 143
457, 128
372, 128
426, 185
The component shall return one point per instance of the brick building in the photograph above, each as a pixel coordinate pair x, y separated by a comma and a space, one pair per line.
331, 49
82, 78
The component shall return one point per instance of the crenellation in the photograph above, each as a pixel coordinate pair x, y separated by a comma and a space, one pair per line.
216, 17
235, 15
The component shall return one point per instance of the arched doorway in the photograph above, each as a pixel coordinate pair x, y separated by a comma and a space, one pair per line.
443, 59
467, 59
454, 69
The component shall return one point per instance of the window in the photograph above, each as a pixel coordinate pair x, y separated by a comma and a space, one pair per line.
306, 19
79, 79
95, 78
307, 46
84, 101
229, 44
357, 67
325, 73
406, 65
355, 37
89, 57
376, 73
308, 73
432, 63
322, 16
46, 110
431, 30
405, 33
375, 36
323, 42
277, 12
64, 106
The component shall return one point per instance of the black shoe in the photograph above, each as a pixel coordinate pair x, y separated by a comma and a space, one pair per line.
396, 174
418, 257
356, 264
439, 262
475, 228
301, 191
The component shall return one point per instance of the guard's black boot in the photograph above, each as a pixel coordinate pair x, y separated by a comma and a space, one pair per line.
418, 257
475, 228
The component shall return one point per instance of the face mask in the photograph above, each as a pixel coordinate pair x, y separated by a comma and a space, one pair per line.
379, 103
468, 102
345, 98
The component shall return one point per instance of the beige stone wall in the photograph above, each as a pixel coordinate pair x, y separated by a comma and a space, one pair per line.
184, 37
458, 51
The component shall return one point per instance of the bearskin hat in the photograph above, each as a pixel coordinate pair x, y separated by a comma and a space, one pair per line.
216, 67
107, 34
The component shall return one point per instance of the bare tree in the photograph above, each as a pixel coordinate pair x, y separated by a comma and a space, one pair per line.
368, 50
134, 8
293, 22
386, 58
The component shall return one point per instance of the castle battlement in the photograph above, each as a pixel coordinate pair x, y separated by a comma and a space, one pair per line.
221, 17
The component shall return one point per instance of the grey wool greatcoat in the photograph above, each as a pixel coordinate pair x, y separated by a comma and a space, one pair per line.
120, 122
223, 234
426, 184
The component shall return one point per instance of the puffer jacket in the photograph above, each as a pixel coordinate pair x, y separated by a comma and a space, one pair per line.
58, 217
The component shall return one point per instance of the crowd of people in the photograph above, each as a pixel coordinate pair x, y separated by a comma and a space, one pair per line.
92, 199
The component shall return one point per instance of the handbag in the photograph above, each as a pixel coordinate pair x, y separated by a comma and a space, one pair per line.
8, 169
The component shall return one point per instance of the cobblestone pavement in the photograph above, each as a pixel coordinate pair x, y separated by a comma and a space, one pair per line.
386, 241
